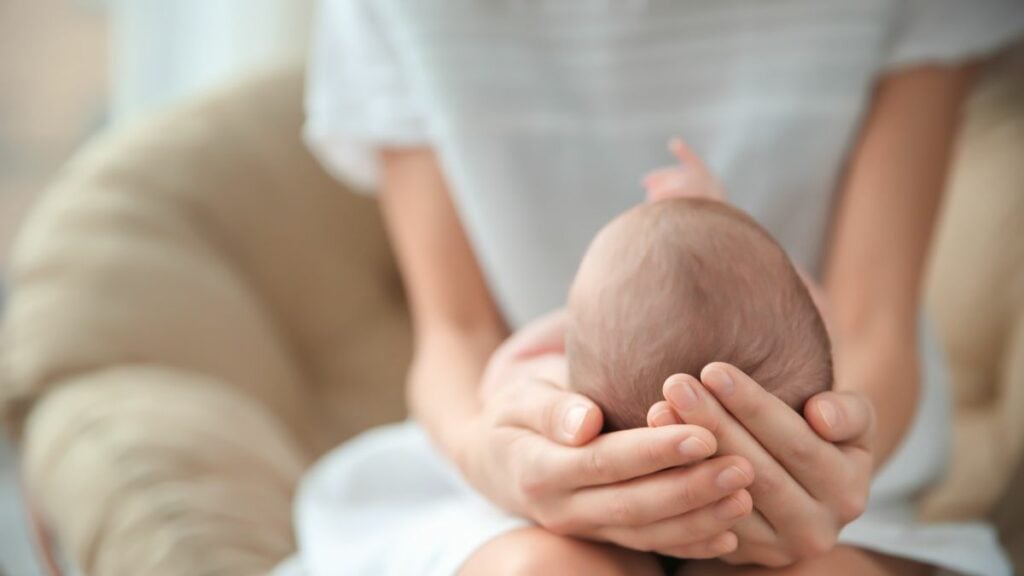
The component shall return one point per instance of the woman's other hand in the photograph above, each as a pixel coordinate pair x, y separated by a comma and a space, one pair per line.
537, 349
812, 473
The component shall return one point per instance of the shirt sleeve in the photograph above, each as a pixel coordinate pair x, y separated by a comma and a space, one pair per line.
948, 31
358, 96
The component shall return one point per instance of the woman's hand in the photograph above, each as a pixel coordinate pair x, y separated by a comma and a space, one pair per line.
535, 450
631, 488
812, 473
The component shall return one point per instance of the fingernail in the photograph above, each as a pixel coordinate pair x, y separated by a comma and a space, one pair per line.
663, 418
574, 419
731, 479
719, 381
694, 448
727, 509
829, 414
682, 395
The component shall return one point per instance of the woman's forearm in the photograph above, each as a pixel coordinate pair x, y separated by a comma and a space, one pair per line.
883, 230
885, 367
442, 391
457, 324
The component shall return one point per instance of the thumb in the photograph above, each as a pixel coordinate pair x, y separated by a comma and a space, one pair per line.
842, 418
561, 416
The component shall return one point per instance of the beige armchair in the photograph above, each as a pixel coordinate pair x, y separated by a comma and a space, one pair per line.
197, 312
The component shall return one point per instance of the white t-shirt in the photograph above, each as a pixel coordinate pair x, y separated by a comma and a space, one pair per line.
545, 114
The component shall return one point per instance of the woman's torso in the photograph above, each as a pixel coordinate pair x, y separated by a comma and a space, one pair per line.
546, 115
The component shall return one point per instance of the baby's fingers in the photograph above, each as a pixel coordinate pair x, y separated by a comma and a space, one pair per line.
665, 183
685, 155
658, 177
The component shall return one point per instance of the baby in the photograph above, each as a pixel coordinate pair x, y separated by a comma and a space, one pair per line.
675, 284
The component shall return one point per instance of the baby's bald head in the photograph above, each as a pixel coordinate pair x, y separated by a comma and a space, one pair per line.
671, 286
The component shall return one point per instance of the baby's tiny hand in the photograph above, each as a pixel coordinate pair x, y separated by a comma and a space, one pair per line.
691, 178
536, 350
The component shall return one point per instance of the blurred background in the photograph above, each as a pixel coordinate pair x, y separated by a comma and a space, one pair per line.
69, 68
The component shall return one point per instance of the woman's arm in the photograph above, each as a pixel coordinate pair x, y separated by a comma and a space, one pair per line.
527, 446
457, 325
813, 475
882, 234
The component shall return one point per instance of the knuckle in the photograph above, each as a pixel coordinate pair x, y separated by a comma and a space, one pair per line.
656, 454
622, 511
754, 410
531, 484
529, 488
801, 450
597, 465
686, 492
711, 422
814, 542
769, 483
852, 505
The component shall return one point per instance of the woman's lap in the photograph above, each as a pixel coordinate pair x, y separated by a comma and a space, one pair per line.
390, 490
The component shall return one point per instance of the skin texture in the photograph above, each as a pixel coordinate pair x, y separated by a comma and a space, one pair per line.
535, 551
530, 445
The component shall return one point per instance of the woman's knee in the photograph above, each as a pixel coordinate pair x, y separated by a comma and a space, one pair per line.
535, 551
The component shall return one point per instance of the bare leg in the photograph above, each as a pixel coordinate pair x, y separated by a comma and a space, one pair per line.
535, 552
841, 561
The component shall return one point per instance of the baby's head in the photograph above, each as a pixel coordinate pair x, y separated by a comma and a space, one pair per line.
671, 286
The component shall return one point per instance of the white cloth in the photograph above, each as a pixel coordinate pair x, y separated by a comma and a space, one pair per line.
545, 114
